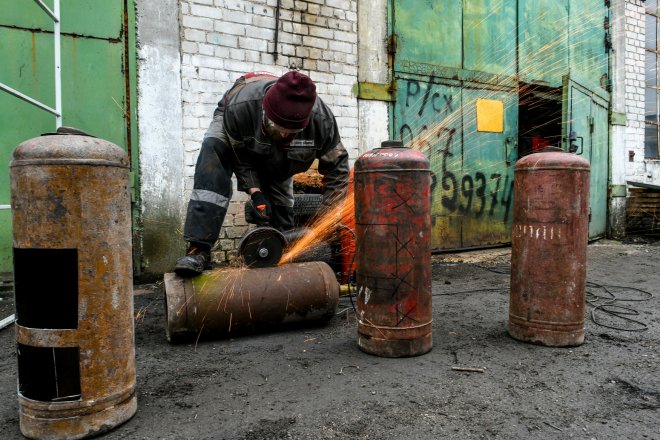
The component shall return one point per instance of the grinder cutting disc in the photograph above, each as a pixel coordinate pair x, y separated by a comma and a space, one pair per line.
262, 247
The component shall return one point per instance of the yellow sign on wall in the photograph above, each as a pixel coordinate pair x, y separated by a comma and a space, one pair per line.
490, 115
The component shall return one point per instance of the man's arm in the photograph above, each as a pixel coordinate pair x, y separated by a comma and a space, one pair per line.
246, 175
333, 165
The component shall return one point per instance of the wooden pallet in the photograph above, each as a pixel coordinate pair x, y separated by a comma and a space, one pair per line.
643, 211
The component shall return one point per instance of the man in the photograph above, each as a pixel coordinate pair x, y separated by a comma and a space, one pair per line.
265, 129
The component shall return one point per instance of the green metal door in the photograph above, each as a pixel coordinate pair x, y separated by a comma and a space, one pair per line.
489, 33
543, 41
452, 57
489, 156
97, 59
586, 100
589, 41
586, 130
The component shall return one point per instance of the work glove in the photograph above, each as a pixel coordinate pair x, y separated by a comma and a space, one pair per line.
257, 209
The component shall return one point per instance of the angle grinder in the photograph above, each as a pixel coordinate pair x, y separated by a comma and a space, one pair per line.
262, 246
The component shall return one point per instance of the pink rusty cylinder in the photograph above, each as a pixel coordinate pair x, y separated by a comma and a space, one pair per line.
549, 248
393, 256
71, 217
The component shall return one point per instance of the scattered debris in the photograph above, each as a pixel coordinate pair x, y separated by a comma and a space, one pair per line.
349, 366
469, 369
7, 321
552, 426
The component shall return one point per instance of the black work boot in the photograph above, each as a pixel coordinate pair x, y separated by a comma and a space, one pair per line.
193, 263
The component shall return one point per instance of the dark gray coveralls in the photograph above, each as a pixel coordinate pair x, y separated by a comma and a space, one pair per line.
236, 143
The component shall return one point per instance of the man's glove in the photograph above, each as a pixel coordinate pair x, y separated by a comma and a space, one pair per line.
257, 210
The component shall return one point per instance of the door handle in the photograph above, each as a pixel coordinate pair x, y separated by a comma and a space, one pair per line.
572, 146
509, 140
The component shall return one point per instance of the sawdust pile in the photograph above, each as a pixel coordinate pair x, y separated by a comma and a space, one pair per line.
309, 182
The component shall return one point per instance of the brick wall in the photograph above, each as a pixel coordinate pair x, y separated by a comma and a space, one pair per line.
634, 88
223, 39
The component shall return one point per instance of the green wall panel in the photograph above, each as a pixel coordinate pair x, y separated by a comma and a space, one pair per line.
20, 122
489, 34
587, 53
429, 33
93, 85
543, 41
29, 65
95, 18
95, 79
94, 88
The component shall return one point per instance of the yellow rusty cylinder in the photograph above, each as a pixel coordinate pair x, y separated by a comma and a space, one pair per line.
227, 301
73, 284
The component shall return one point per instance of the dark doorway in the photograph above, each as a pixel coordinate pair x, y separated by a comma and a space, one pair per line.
539, 118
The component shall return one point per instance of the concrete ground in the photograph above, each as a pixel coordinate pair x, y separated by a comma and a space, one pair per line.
314, 383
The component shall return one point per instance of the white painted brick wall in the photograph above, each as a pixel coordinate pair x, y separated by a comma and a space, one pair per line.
634, 80
223, 39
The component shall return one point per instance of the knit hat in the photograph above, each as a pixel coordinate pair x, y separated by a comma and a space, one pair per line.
289, 102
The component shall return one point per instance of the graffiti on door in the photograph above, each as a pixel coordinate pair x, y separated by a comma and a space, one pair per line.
435, 123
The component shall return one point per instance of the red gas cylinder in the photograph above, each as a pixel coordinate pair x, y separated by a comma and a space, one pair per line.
549, 248
393, 260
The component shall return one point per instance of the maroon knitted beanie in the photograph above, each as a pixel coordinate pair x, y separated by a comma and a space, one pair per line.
289, 101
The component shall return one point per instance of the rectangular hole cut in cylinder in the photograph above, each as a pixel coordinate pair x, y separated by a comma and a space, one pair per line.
49, 374
46, 288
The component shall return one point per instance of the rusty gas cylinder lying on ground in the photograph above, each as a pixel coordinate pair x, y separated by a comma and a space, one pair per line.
393, 259
73, 286
549, 248
232, 300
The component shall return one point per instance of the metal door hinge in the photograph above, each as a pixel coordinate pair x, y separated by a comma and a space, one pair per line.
131, 178
377, 91
607, 37
392, 42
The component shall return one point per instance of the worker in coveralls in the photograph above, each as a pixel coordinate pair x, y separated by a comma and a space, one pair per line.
265, 129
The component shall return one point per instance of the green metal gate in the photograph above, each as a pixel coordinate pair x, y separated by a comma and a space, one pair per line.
458, 68
97, 70
585, 131
453, 70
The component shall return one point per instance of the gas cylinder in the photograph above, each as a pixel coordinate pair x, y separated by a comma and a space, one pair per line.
228, 301
71, 217
549, 248
393, 257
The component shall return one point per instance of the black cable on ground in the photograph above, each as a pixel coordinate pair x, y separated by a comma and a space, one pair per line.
610, 306
501, 269
470, 291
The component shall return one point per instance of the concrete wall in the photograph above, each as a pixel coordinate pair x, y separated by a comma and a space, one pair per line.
160, 133
372, 67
